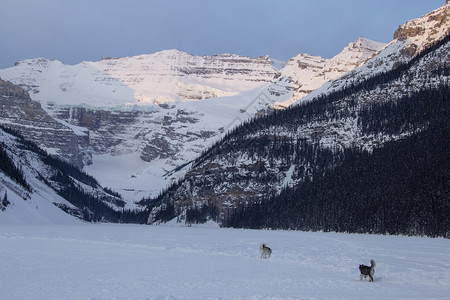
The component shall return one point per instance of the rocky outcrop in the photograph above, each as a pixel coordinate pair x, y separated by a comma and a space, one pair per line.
424, 31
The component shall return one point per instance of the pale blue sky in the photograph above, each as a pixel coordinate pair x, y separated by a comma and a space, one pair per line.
76, 30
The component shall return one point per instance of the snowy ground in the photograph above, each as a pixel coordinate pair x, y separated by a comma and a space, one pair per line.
105, 261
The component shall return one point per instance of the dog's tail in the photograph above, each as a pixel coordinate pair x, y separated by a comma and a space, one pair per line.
372, 263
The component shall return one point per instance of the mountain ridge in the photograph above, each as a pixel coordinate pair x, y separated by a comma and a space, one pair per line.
263, 157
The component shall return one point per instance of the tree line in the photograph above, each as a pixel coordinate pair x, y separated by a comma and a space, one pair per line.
10, 169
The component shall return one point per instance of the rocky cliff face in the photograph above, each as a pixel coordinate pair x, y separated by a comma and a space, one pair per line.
27, 117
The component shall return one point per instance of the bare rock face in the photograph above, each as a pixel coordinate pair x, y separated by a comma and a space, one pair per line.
151, 133
424, 31
27, 117
157, 148
402, 33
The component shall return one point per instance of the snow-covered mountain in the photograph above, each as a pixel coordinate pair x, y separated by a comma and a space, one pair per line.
142, 112
134, 122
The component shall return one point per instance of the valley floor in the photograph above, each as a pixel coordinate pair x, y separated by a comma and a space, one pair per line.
110, 261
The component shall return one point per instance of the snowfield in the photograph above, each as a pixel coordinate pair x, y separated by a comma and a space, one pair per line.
111, 261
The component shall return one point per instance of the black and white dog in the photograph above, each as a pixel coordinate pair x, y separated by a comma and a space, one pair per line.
265, 251
367, 271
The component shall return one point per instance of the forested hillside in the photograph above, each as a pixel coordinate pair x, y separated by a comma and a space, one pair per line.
400, 188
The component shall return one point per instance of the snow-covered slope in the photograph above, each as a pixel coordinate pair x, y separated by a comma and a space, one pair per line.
35, 206
37, 209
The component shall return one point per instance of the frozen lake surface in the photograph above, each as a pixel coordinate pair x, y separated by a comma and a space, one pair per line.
110, 261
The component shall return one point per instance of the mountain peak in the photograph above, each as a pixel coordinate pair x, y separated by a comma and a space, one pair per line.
367, 43
359, 51
171, 52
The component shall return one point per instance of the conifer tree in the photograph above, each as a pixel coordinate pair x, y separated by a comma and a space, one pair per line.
5, 202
